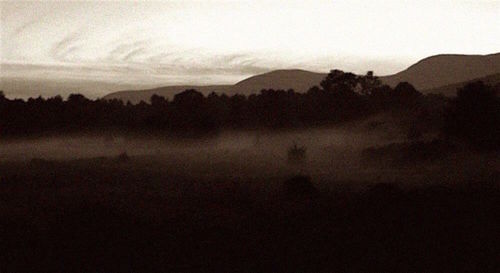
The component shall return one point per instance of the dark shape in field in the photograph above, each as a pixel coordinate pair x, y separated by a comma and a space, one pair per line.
40, 162
299, 186
400, 154
123, 158
383, 192
296, 154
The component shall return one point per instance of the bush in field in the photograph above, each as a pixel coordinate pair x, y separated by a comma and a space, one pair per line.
296, 154
123, 158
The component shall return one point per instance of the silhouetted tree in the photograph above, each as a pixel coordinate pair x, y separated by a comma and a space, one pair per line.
158, 101
368, 83
338, 78
406, 92
474, 116
76, 99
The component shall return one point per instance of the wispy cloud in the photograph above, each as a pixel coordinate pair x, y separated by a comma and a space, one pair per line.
20, 30
220, 42
66, 48
125, 51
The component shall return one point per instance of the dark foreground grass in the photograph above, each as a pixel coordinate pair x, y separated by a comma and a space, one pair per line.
107, 215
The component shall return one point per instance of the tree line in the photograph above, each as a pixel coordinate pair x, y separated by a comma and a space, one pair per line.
340, 97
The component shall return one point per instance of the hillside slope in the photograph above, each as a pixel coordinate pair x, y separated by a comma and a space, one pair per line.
451, 89
442, 70
299, 80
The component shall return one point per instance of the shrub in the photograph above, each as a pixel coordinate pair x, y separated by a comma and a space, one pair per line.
296, 155
123, 157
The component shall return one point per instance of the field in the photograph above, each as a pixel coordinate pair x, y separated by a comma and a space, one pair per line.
234, 202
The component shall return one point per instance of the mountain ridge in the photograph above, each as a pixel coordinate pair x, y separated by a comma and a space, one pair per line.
297, 79
427, 75
445, 69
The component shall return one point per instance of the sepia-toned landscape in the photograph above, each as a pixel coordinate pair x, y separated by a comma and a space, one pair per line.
159, 153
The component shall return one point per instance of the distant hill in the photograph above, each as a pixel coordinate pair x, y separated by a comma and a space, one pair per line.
451, 89
299, 80
436, 74
441, 70
25, 88
135, 96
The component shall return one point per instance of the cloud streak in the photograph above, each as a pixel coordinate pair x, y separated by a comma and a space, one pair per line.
65, 49
20, 30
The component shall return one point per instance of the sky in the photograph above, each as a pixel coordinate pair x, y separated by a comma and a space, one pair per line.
212, 42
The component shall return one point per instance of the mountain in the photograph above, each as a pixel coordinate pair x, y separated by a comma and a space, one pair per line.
435, 74
441, 70
299, 80
451, 89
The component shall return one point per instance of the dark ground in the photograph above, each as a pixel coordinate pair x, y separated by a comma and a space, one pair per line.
111, 215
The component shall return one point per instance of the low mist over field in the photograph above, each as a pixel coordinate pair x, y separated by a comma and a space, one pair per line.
332, 155
225, 154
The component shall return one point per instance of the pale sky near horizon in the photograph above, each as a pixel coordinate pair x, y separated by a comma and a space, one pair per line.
200, 42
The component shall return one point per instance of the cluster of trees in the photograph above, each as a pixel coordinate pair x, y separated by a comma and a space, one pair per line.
340, 97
